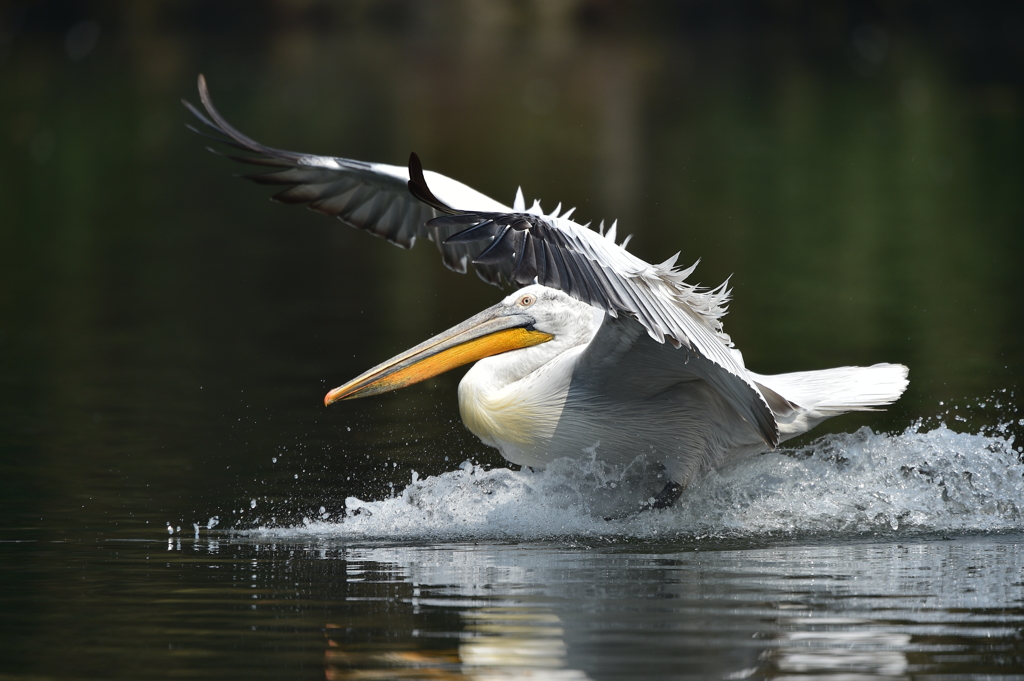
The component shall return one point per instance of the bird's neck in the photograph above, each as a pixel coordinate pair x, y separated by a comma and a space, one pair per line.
516, 398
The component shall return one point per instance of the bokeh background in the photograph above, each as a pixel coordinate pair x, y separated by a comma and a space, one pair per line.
167, 333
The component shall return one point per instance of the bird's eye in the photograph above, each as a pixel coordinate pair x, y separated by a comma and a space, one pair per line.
527, 300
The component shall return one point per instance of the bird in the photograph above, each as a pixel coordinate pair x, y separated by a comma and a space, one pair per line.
599, 354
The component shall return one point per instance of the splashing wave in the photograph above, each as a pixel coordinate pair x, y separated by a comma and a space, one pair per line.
863, 482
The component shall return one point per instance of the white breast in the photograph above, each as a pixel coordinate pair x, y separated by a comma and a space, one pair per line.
518, 417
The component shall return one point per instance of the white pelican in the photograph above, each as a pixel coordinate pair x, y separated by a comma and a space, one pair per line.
576, 363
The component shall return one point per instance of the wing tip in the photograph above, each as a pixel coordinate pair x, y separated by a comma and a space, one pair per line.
418, 186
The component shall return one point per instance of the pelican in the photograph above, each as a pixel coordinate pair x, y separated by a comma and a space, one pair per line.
600, 354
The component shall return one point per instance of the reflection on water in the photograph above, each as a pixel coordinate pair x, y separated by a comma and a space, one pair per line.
345, 661
495, 643
600, 609
506, 638
830, 647
860, 611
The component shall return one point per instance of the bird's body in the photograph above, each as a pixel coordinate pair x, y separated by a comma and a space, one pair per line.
602, 387
603, 355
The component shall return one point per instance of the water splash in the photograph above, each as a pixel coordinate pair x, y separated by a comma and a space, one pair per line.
916, 481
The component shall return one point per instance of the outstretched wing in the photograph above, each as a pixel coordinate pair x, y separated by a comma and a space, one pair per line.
370, 196
503, 243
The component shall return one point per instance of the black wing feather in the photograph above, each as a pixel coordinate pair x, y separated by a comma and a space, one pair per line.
353, 191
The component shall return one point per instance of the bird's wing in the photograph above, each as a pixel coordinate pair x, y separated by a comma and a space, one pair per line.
516, 244
370, 196
528, 246
622, 365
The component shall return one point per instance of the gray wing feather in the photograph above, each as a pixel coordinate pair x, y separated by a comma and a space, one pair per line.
623, 364
369, 196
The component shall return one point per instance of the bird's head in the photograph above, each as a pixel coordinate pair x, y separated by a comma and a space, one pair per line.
529, 317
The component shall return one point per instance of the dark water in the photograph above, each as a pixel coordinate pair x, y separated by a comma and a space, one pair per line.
167, 335
230, 607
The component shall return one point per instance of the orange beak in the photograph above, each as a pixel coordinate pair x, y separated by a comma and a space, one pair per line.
495, 330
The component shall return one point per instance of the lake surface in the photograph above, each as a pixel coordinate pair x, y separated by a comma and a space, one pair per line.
304, 606
175, 501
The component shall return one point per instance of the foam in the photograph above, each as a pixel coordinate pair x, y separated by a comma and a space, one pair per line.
917, 481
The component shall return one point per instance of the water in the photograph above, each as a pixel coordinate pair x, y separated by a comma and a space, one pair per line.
175, 501
304, 607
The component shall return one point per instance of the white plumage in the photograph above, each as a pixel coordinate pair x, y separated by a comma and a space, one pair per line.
576, 363
603, 386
